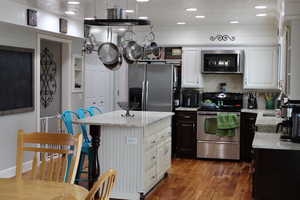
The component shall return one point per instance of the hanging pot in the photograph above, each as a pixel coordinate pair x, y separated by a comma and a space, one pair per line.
133, 51
109, 53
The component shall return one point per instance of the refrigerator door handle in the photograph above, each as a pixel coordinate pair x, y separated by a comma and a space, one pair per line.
147, 94
143, 96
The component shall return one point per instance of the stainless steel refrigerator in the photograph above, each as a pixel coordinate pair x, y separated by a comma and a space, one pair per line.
151, 87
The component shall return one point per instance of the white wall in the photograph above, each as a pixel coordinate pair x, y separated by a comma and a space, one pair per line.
12, 35
195, 36
14, 13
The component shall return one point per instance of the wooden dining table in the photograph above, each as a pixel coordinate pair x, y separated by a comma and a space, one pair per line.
37, 190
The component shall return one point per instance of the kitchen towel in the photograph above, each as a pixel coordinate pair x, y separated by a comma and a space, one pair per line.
226, 124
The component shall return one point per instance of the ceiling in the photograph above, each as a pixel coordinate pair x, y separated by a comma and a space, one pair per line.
169, 12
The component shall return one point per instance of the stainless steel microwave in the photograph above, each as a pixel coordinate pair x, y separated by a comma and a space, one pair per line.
223, 62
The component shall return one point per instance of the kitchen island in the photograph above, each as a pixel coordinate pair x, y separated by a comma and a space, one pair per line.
138, 147
276, 168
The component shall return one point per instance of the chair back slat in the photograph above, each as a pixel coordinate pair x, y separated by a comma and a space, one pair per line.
34, 166
54, 150
103, 186
43, 166
49, 138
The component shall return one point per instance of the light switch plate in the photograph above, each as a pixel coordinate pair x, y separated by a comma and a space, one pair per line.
131, 140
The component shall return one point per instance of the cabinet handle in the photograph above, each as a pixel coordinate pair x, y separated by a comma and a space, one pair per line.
153, 177
187, 117
153, 157
153, 142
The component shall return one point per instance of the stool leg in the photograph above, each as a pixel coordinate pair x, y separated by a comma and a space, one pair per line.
80, 167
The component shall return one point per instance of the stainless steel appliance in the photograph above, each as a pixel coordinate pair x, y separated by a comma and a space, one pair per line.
223, 61
151, 86
191, 98
213, 146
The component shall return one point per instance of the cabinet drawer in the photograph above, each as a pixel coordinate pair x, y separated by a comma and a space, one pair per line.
151, 141
218, 150
150, 178
164, 135
150, 158
186, 116
157, 127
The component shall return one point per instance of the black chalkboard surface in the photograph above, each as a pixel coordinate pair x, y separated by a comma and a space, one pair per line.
16, 80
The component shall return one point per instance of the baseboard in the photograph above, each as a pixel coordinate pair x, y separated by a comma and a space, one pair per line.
11, 172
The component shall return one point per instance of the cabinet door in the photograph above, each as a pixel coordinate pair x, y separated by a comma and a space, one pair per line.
191, 68
186, 139
261, 66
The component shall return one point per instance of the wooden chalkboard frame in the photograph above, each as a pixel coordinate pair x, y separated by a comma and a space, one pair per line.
27, 109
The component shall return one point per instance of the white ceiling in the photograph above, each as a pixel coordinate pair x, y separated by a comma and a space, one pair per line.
169, 12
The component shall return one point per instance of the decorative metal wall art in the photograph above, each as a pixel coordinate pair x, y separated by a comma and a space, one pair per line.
48, 77
31, 17
63, 25
221, 38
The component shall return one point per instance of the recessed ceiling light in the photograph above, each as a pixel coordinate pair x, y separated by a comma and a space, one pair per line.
260, 7
129, 11
234, 22
200, 16
89, 18
181, 23
69, 12
143, 17
191, 9
142, 0
73, 2
261, 15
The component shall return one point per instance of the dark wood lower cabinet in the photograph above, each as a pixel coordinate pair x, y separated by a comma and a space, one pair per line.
276, 174
247, 132
186, 134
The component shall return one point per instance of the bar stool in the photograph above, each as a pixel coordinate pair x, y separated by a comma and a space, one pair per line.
68, 117
93, 110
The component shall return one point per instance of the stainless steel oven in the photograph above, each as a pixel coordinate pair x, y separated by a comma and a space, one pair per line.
223, 61
216, 147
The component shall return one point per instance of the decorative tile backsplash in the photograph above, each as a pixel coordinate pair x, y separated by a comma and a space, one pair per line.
234, 84
212, 82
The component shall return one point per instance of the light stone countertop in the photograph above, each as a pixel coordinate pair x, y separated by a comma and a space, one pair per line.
186, 109
265, 123
140, 120
272, 141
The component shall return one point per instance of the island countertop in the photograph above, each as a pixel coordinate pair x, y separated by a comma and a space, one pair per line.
140, 119
272, 141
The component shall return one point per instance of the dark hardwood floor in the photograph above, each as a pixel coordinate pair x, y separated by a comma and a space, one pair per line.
205, 180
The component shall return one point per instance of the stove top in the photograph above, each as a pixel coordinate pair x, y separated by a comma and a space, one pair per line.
222, 102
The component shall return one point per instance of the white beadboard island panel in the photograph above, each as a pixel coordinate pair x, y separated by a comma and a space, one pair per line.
126, 145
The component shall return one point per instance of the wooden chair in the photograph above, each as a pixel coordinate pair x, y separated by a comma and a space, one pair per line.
104, 186
54, 150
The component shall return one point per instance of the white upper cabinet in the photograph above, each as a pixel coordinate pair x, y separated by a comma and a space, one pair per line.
191, 68
261, 68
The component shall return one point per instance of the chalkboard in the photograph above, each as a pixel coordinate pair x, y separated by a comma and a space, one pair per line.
16, 80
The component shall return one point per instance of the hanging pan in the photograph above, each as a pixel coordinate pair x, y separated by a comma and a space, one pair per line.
109, 53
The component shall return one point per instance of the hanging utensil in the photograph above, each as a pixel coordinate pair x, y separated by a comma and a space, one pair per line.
133, 51
109, 53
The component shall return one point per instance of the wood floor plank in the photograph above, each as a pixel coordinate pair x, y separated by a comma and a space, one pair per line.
205, 180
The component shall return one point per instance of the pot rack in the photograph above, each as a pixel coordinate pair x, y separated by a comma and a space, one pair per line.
117, 22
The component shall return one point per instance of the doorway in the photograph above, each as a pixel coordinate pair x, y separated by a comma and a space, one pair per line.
99, 87
54, 75
50, 85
